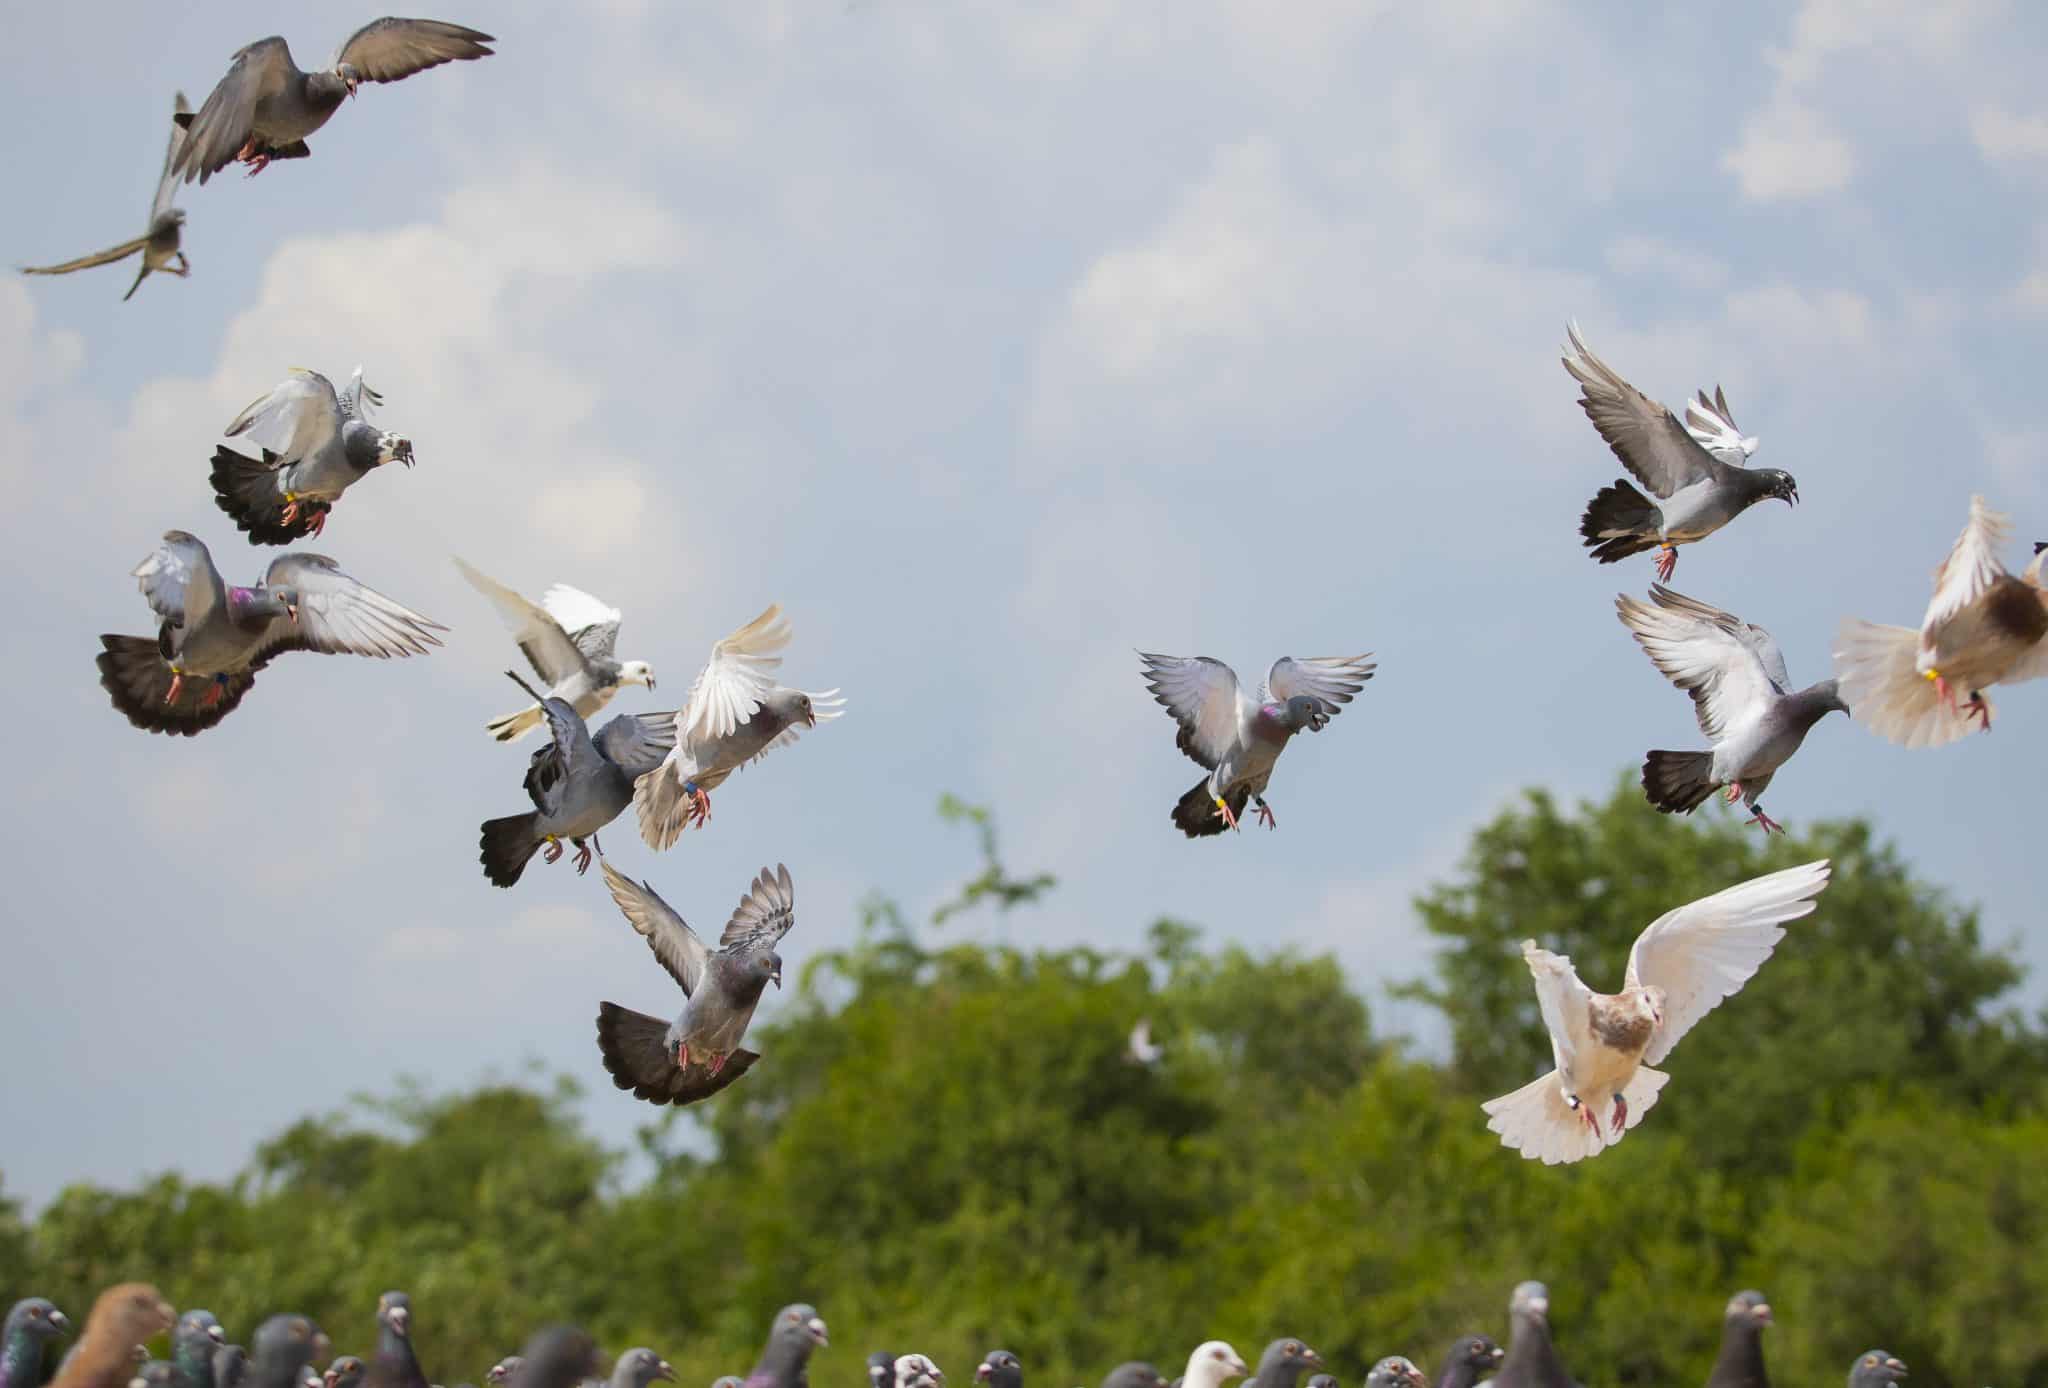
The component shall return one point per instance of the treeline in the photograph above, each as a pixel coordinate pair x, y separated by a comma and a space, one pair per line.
949, 1151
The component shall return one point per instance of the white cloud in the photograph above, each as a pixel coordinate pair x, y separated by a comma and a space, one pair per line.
1652, 256
1788, 152
2005, 138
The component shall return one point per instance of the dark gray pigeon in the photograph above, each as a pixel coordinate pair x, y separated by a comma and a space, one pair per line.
345, 1372
1741, 1361
1694, 487
160, 243
316, 443
1472, 1358
1238, 739
395, 1365
698, 1053
785, 1359
1283, 1364
30, 1325
282, 1348
1396, 1372
577, 783
1874, 1368
881, 1369
212, 637
1322, 1381
230, 1366
265, 107
571, 640
505, 1373
637, 1368
1134, 1373
1000, 1369
194, 1340
1741, 694
559, 1356
1531, 1360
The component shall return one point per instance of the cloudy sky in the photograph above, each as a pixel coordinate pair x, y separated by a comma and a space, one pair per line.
995, 340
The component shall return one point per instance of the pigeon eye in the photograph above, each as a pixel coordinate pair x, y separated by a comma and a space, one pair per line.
1870, 1362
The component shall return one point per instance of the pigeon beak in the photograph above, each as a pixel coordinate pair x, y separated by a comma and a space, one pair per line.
291, 610
1762, 1312
982, 1371
1499, 1354
216, 1334
60, 1320
399, 1318
330, 1378
667, 1372
776, 979
1539, 1306
1896, 1367
1314, 1360
817, 1327
1414, 1376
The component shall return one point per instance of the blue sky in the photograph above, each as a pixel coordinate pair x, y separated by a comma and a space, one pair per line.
995, 341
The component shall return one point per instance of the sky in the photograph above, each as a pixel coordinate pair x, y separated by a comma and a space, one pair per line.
997, 342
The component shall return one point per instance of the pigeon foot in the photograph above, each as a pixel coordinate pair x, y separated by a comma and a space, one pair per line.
1770, 826
700, 804
291, 510
682, 1055
253, 157
1620, 1120
1266, 816
554, 853
1942, 693
1667, 560
582, 857
177, 683
319, 522
213, 692
718, 1059
1979, 708
1733, 794
1224, 809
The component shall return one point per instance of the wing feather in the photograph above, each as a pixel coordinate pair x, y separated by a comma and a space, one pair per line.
547, 647
228, 116
1971, 567
735, 679
1730, 668
766, 912
666, 933
1331, 680
339, 616
297, 418
1643, 434
86, 262
1203, 696
636, 743
388, 49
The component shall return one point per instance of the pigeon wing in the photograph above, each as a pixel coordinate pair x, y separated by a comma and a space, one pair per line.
1729, 667
636, 743
1971, 567
167, 181
1203, 696
546, 646
733, 682
593, 625
1331, 680
296, 419
764, 915
1643, 434
227, 118
666, 933
339, 616
388, 49
86, 262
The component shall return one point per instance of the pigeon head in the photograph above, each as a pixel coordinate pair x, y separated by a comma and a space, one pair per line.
34, 1320
1322, 1381
1284, 1362
505, 1372
282, 1347
394, 1313
881, 1369
1531, 1302
918, 1371
1874, 1368
348, 75
1748, 1308
1136, 1373
637, 672
637, 1368
797, 1331
1304, 712
1000, 1369
198, 1326
345, 1372
770, 967
1778, 483
1476, 1354
1395, 1372
394, 448
1647, 1003
1213, 1363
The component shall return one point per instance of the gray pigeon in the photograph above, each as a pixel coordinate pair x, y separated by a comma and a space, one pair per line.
230, 1366
505, 1373
786, 1358
1283, 1364
1238, 739
735, 714
1134, 1373
1000, 1369
918, 1371
1696, 479
265, 107
213, 637
1531, 1360
283, 1346
698, 1053
1741, 693
1472, 1358
881, 1369
570, 638
1874, 1368
194, 1340
1396, 1372
1322, 1381
160, 244
31, 1324
316, 444
345, 1372
395, 1365
578, 784
559, 1356
1741, 1361
637, 1368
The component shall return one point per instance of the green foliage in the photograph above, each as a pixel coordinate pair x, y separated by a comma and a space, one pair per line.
948, 1149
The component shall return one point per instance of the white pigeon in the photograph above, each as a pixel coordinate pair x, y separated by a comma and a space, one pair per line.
570, 639
1679, 970
1141, 1049
918, 1371
1213, 1364
1983, 627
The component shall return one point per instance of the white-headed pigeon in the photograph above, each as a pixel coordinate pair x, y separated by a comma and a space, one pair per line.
571, 640
316, 443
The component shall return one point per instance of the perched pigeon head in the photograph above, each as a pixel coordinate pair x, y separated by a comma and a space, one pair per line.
1395, 1372
505, 1372
1874, 1368
345, 1372
36, 1319
197, 1326
1778, 483
1214, 1362
798, 1328
1531, 1302
283, 1346
1749, 1308
1000, 1369
1136, 1373
766, 967
1322, 1381
637, 1368
918, 1371
1284, 1362
394, 1313
881, 1369
1477, 1354
637, 672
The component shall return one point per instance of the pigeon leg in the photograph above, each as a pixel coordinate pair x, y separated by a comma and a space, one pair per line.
184, 266
1223, 809
177, 683
291, 510
1942, 693
554, 853
1585, 1112
718, 1059
598, 846
582, 857
1770, 826
1734, 793
213, 692
1667, 560
319, 521
1620, 1120
700, 804
1977, 707
682, 1055
254, 158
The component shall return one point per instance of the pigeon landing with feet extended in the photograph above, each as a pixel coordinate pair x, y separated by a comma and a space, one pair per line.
1983, 627
317, 443
31, 1324
1681, 968
1741, 694
1741, 1361
1694, 470
570, 638
1239, 739
161, 244
698, 1053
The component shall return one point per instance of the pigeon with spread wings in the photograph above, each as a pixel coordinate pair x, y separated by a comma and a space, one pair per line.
1238, 739
161, 243
316, 443
1681, 968
571, 639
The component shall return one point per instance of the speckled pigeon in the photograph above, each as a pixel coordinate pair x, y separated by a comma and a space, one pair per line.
1000, 1369
1741, 1361
558, 1356
1238, 739
735, 714
570, 638
212, 637
1741, 694
698, 1053
1134, 1373
194, 1340
160, 242
1212, 1364
31, 1324
316, 443
785, 1359
265, 107
577, 783
1396, 1371
345, 1372
282, 1348
918, 1371
1875, 1368
1982, 627
1283, 1364
122, 1318
1683, 966
1694, 472
1531, 1360
1472, 1358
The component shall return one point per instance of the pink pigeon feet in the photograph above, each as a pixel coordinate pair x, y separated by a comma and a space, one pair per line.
212, 694
582, 856
1734, 793
718, 1060
1223, 808
1266, 816
1586, 1114
256, 161
1770, 826
554, 853
1667, 560
700, 804
682, 1055
177, 683
1979, 708
1620, 1123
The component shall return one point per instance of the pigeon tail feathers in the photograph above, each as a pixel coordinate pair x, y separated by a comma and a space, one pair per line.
1876, 668
1620, 521
1196, 814
246, 490
515, 725
135, 676
508, 844
1678, 782
638, 1057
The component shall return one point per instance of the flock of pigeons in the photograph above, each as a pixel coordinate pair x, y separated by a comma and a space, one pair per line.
286, 1349
1984, 626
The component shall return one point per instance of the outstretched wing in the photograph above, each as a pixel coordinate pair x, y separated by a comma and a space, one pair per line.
1565, 1000
735, 680
298, 418
591, 623
1712, 426
86, 262
358, 399
1650, 443
1971, 567
1203, 696
637, 742
763, 916
1331, 680
547, 648
339, 616
666, 933
224, 123
1728, 666
167, 181
388, 49
179, 581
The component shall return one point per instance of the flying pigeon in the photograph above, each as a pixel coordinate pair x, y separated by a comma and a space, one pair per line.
1000, 1369
214, 637
559, 1356
505, 1372
1239, 739
1875, 1368
1741, 694
918, 1371
1141, 1049
1681, 968
785, 1359
395, 1365
1531, 1360
1136, 1373
578, 784
1283, 1364
1213, 1364
316, 444
1695, 472
1741, 1361
698, 1053
282, 1348
122, 1318
265, 107
1396, 1372
194, 1339
30, 1324
637, 1368
569, 639
735, 714
1983, 627
345, 1372
881, 1369
160, 243
1469, 1360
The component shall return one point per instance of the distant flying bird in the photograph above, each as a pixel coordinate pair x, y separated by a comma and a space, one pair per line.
265, 107
1532, 1360
122, 1318
1740, 1363
1469, 1360
570, 638
1141, 1050
1983, 627
214, 637
316, 444
1238, 739
1695, 471
735, 714
160, 243
1681, 968
577, 783
1741, 693
31, 1324
688, 1059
